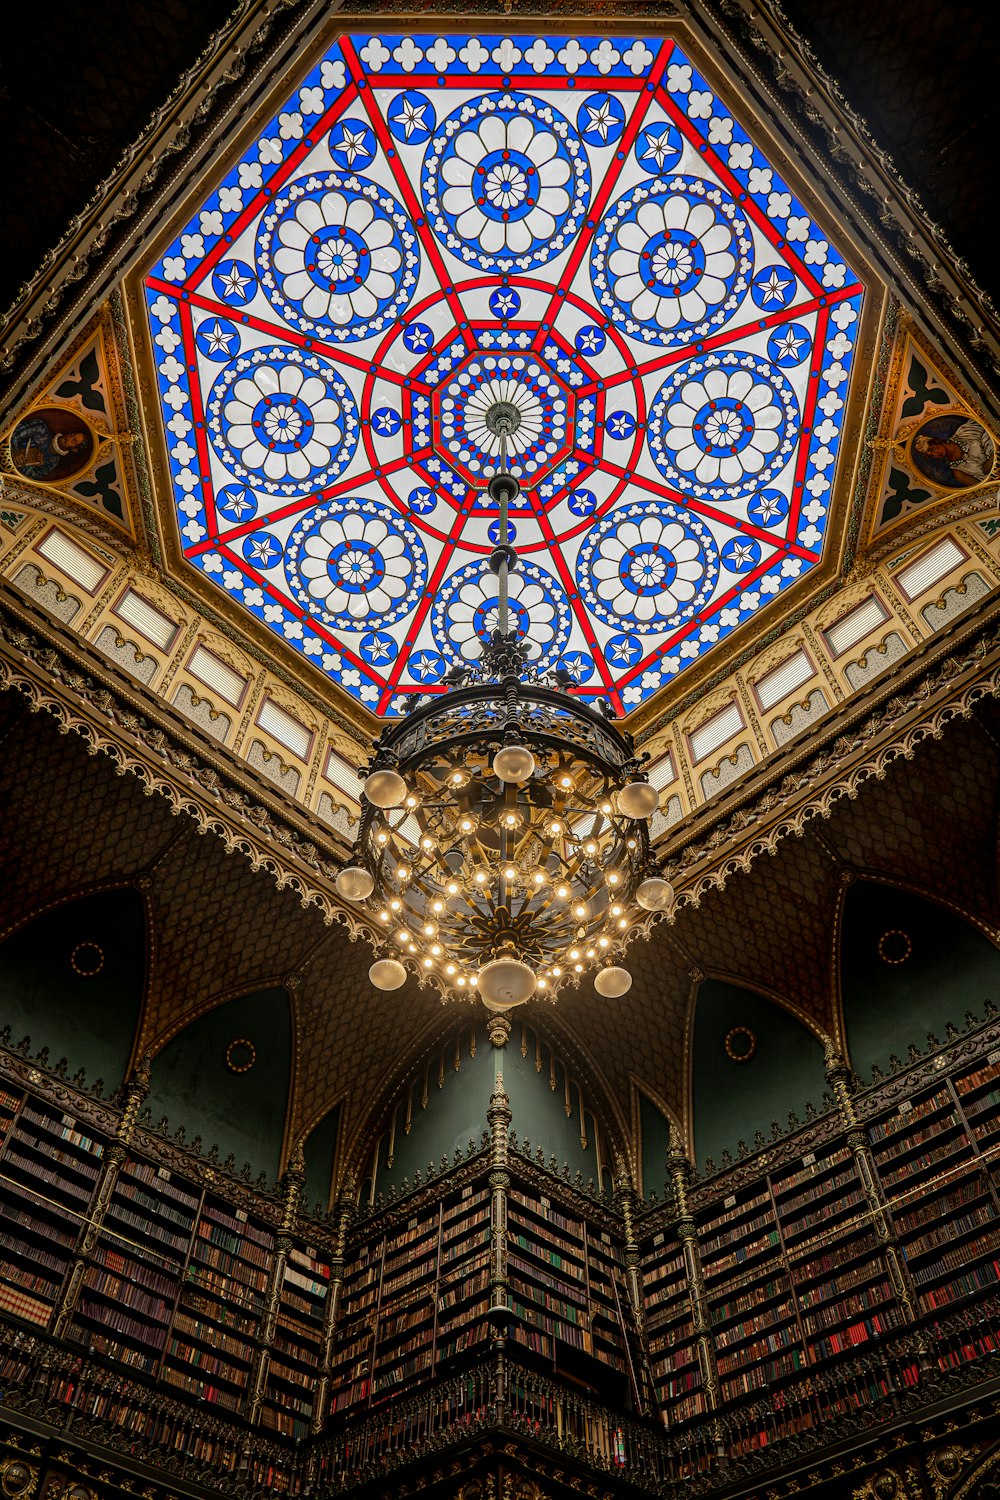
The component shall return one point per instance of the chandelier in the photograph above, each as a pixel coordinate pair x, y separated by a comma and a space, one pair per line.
504, 839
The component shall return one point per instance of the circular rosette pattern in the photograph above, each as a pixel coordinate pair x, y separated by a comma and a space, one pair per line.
725, 424
356, 563
281, 420
674, 256
466, 613
648, 565
337, 256
506, 182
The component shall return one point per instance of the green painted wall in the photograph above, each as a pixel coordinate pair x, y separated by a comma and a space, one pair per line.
319, 1151
733, 1099
242, 1113
951, 968
456, 1112
88, 1019
655, 1144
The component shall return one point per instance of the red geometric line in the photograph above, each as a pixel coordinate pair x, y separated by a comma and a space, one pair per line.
402, 182
809, 411
577, 606
333, 352
705, 508
748, 206
426, 600
304, 502
277, 180
603, 196
316, 626
197, 417
728, 335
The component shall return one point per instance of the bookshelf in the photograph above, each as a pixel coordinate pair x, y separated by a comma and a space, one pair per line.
49, 1167
296, 1347
670, 1333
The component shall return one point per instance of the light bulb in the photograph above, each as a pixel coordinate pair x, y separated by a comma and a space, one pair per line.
574, 953
452, 888
385, 788
460, 979
437, 906
578, 968
655, 894
514, 763
449, 968
402, 936
538, 876
384, 916
387, 974
566, 782
562, 891
555, 826
613, 877
436, 949
382, 837
430, 929
395, 904
542, 984
509, 873
579, 910
427, 843
412, 801
354, 883
638, 800
612, 982
480, 877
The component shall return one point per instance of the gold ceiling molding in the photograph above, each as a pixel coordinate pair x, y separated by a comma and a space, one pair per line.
918, 711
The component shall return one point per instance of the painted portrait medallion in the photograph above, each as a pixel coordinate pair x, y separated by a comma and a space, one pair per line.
954, 452
51, 444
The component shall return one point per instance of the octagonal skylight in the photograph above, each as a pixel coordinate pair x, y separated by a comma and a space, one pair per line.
583, 229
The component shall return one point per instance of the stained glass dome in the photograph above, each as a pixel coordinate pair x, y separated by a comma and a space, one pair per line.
583, 229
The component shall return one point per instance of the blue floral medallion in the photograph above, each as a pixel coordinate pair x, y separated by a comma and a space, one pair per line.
356, 563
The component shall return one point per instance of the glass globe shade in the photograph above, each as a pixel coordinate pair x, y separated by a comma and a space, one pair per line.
387, 974
385, 789
506, 982
514, 763
354, 883
655, 894
612, 982
637, 799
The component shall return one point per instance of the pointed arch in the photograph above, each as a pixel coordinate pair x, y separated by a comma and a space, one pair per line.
908, 964
755, 1057
73, 976
226, 1076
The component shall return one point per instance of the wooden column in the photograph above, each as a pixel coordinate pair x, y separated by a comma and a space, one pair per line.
343, 1218
134, 1094
499, 1117
844, 1084
294, 1181
679, 1172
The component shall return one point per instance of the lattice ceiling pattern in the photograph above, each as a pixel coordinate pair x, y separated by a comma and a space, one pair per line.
585, 230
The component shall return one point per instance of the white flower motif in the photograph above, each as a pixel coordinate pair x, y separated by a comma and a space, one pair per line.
312, 646
475, 612
683, 249
835, 376
506, 56
769, 585
829, 404
514, 164
700, 104
333, 75
638, 58
253, 596
292, 630
678, 78
273, 614
826, 431
539, 55
810, 537
193, 246
368, 692
605, 56
843, 315
163, 309
791, 567
211, 562
290, 126
282, 421
441, 55
839, 345
193, 531
741, 156
231, 200
474, 54
250, 174
311, 101
374, 55
818, 485
572, 56
760, 179
720, 130
336, 257
834, 273
184, 453
171, 369
816, 252
188, 480
178, 425
355, 565
210, 222
779, 205
269, 151
723, 427
174, 267
648, 570
408, 54
175, 397
797, 228
232, 580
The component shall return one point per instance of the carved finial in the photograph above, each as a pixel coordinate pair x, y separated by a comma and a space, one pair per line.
498, 1030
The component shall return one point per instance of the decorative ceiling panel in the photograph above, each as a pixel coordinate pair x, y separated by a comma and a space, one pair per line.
585, 230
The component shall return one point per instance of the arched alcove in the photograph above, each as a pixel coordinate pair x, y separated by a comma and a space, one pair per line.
225, 1078
73, 981
445, 1104
320, 1151
654, 1132
752, 1063
907, 966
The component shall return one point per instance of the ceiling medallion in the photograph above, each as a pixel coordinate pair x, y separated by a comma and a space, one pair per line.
504, 842
581, 231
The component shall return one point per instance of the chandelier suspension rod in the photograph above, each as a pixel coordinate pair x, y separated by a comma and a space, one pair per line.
504, 615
